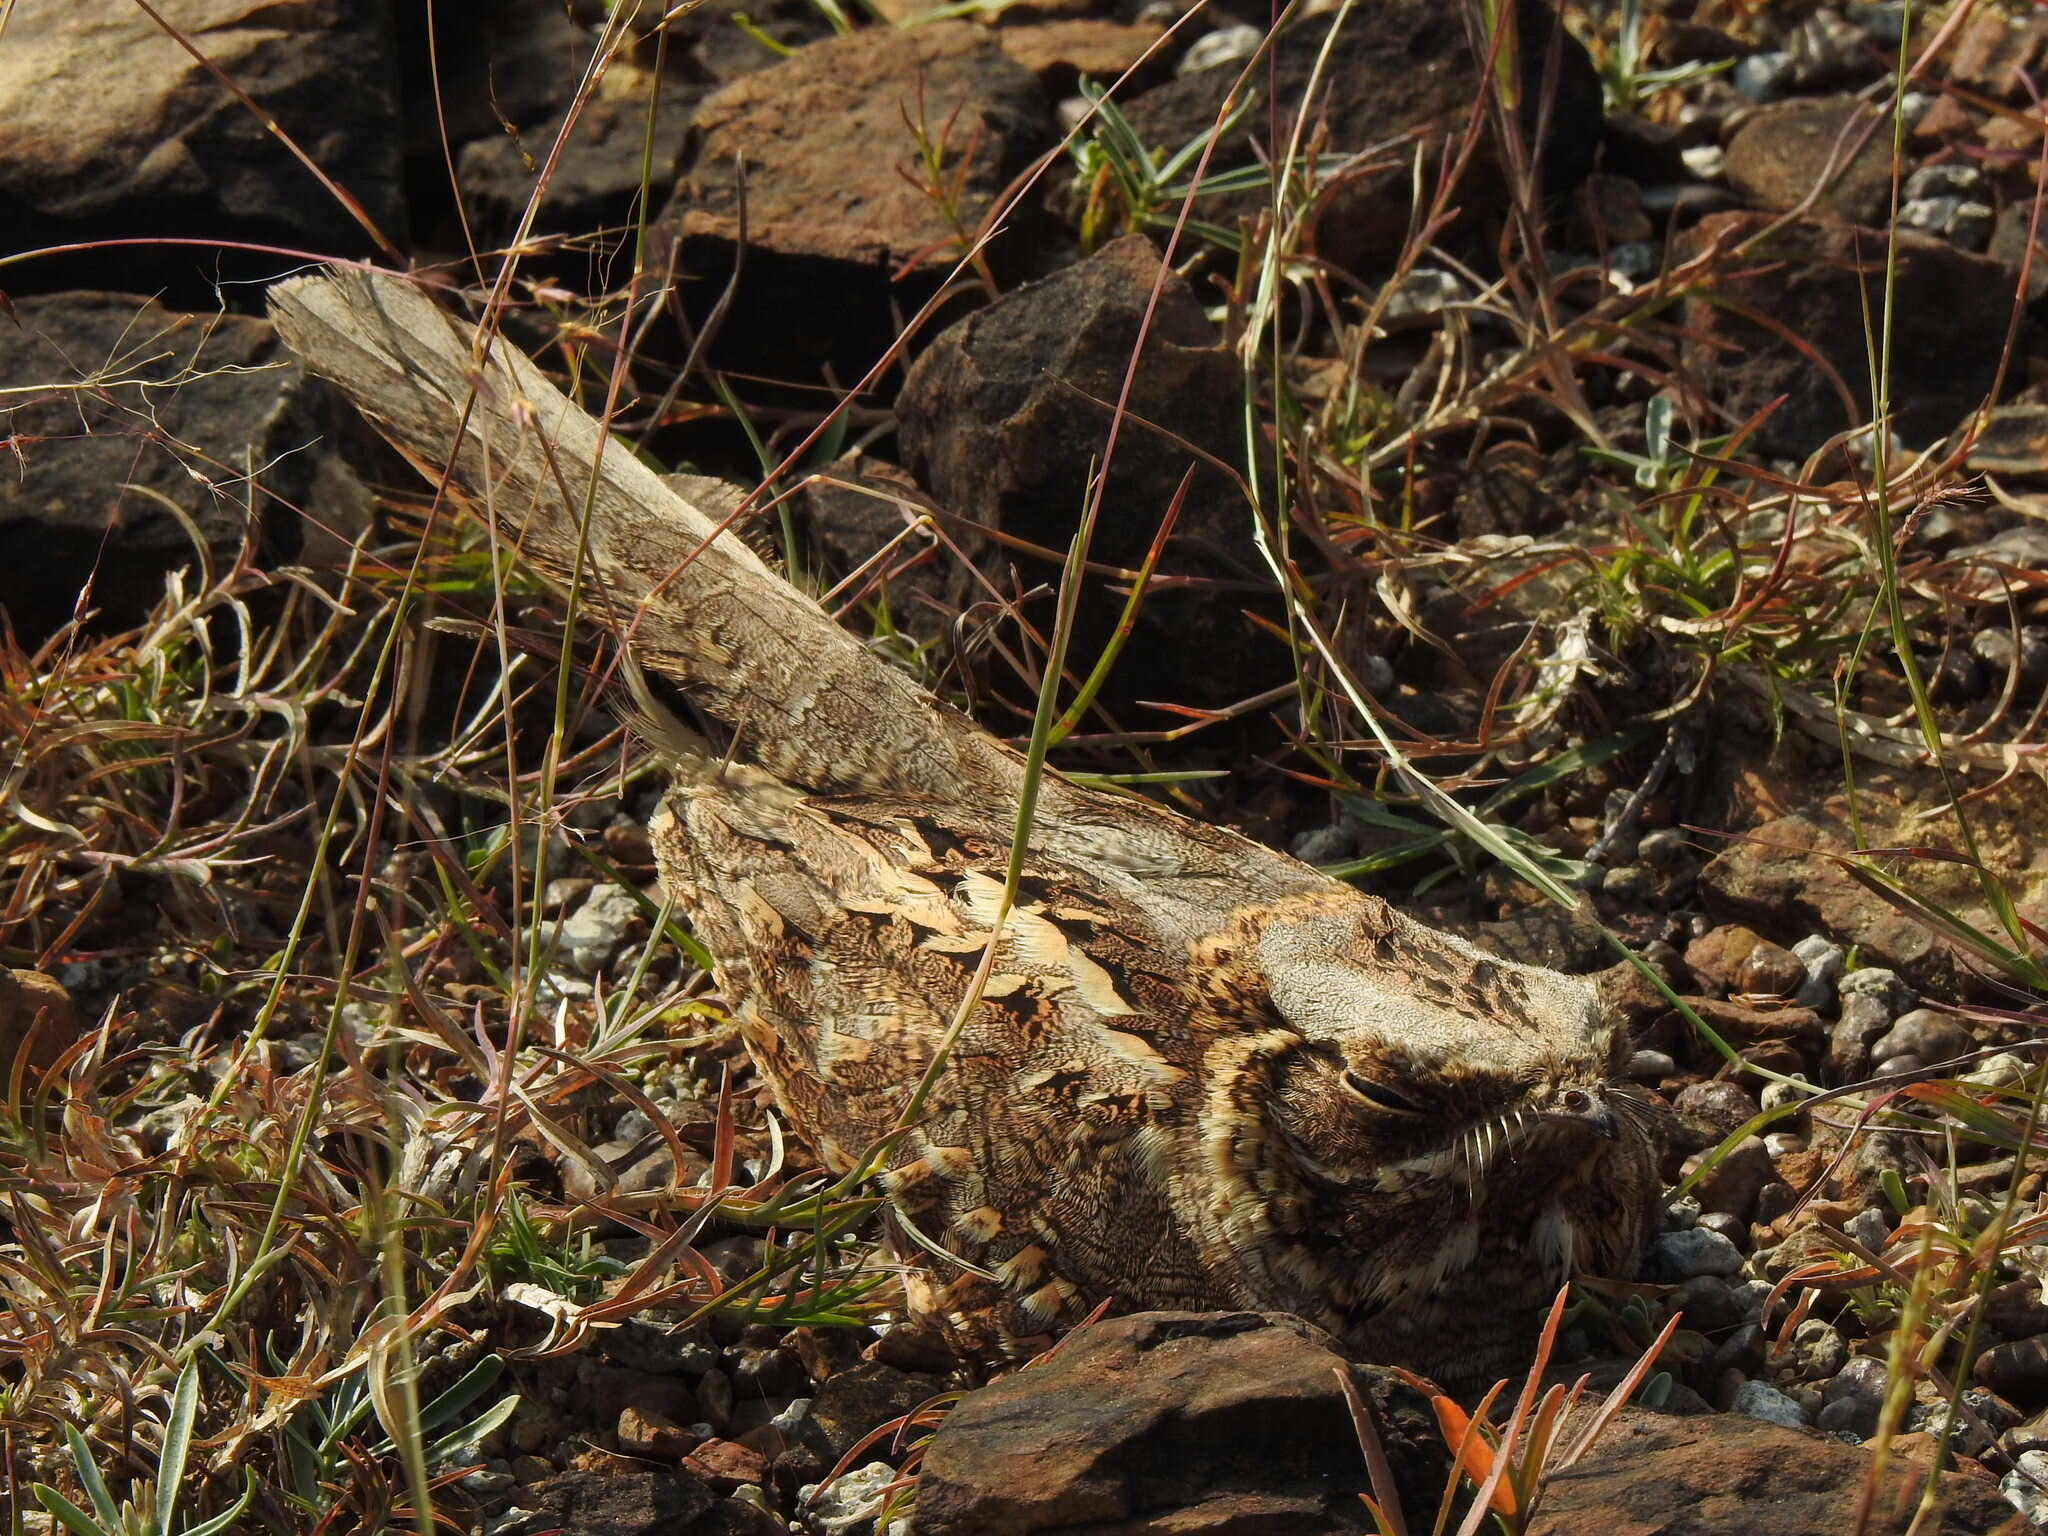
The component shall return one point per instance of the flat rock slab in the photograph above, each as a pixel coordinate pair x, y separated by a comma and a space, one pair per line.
1731, 1475
113, 402
111, 125
1171, 1422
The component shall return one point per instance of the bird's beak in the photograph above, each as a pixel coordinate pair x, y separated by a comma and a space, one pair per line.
1589, 1109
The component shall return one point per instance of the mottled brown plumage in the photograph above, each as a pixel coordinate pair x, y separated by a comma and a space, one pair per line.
1200, 1075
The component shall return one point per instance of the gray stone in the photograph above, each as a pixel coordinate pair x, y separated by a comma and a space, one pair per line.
1926, 1033
1760, 1400
1708, 1304
593, 933
2026, 1487
1824, 960
848, 1506
1882, 983
1865, 1018
1681, 1255
1680, 1215
1816, 1353
1226, 45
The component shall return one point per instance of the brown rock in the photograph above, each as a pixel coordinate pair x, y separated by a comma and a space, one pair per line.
1406, 67
1784, 151
647, 1432
1059, 52
1744, 1025
726, 1465
1995, 53
603, 1501
109, 119
1171, 1422
831, 217
1717, 1108
36, 1016
1812, 277
1770, 971
187, 398
2018, 1370
1715, 957
1000, 420
1733, 1184
1731, 1475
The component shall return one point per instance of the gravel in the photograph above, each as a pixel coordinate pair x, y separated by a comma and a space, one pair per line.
1761, 1400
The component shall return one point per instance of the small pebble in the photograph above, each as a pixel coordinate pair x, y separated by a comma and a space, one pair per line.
1719, 1107
1728, 1224
1778, 1095
1864, 1018
847, 1507
1665, 848
1707, 1303
1769, 971
1762, 76
1630, 884
1783, 1143
1816, 1352
1876, 981
1760, 1400
1699, 1251
1425, 291
1226, 45
1869, 1227
2004, 1070
2023, 1487
1751, 1295
1823, 959
1924, 1032
1681, 1215
1742, 1351
1897, 1066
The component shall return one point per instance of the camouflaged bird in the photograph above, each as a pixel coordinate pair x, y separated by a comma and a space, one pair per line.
1200, 1074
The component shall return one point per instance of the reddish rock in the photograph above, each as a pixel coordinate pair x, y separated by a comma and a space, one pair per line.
1715, 957
816, 150
1732, 1475
1171, 1422
726, 1465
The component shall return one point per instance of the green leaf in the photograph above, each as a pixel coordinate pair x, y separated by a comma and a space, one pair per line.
67, 1513
177, 1444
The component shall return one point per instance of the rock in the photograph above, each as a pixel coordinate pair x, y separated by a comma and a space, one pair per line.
1874, 981
1170, 1421
113, 127
1406, 68
1716, 1108
37, 1020
1060, 51
615, 1503
1865, 1019
1859, 1389
2026, 1486
1816, 1352
1823, 960
595, 180
847, 1408
1768, 971
1679, 1256
190, 402
1782, 152
831, 218
1926, 1033
860, 506
726, 1465
650, 1433
1760, 1400
1737, 1476
1773, 880
1649, 1067
1951, 313
849, 1506
593, 933
990, 423
2018, 1370
1745, 1025
1715, 957
1708, 1305
1731, 1187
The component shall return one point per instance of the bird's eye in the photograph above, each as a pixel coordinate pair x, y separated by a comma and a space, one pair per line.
1380, 1096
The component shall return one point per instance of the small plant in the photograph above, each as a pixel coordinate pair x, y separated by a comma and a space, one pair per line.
155, 1509
1507, 1467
